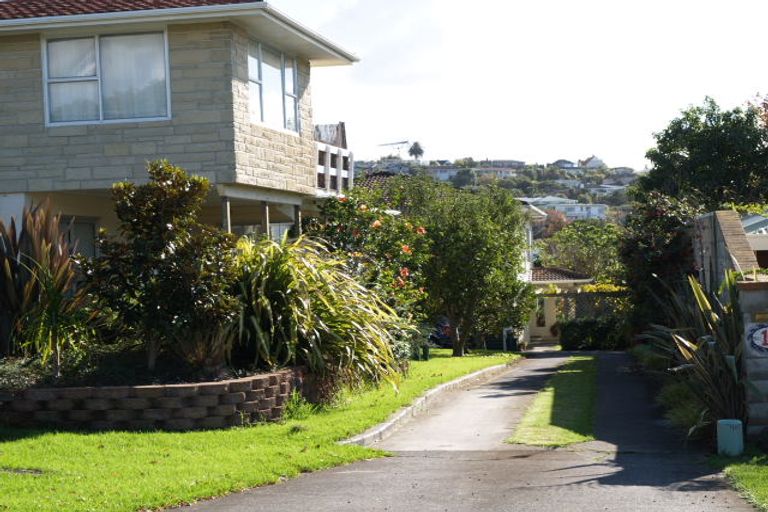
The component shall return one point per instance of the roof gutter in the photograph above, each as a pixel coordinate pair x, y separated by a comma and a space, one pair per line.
177, 15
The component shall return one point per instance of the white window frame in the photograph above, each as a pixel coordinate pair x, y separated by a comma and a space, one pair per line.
96, 39
285, 94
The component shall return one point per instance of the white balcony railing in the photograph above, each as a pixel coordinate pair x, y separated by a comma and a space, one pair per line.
335, 170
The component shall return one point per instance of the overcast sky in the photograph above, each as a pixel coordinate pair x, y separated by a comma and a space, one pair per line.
532, 80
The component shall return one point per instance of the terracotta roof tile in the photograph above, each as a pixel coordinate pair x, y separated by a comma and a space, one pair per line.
374, 180
544, 274
17, 9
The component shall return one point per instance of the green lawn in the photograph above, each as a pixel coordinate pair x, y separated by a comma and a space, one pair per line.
562, 413
749, 475
122, 471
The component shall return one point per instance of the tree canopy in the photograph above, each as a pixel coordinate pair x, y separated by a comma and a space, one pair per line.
416, 151
710, 155
587, 246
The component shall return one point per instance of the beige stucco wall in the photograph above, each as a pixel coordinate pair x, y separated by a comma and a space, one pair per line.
269, 158
209, 134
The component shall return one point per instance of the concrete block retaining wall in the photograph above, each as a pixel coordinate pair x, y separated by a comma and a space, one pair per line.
204, 405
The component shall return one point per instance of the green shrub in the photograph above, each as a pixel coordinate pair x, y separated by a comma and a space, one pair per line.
602, 333
683, 407
168, 276
300, 305
651, 358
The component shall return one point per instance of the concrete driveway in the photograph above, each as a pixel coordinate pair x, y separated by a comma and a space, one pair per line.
453, 458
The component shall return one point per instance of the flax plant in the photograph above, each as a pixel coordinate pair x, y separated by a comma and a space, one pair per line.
302, 306
705, 334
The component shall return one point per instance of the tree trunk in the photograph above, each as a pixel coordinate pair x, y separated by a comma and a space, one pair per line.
5, 335
457, 341
152, 349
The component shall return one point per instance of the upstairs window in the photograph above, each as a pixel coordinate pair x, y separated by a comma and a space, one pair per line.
106, 79
272, 80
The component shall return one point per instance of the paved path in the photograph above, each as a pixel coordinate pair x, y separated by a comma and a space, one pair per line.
453, 458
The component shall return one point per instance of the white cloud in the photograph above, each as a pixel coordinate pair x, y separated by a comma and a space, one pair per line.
535, 80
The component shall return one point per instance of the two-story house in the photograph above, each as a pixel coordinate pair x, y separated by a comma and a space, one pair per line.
90, 90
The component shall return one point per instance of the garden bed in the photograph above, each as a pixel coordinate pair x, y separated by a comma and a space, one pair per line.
204, 405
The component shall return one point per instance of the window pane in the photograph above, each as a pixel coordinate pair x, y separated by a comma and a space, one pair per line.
272, 82
71, 58
254, 104
291, 121
133, 77
74, 101
290, 76
253, 63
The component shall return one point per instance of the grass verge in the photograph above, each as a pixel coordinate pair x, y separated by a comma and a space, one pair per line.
124, 471
563, 412
749, 474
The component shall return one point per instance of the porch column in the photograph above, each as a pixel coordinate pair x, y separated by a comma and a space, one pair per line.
297, 219
226, 214
265, 224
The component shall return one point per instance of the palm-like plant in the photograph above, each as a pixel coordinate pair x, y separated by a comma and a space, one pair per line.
705, 334
40, 248
301, 306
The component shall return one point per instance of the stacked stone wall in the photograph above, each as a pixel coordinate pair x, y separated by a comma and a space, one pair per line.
205, 405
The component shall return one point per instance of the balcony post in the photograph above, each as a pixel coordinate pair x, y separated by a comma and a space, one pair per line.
351, 170
327, 166
339, 171
297, 219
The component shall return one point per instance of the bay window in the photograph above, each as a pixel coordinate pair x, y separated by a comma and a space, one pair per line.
106, 78
273, 83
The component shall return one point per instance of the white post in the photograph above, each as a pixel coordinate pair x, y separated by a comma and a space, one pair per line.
265, 224
351, 170
327, 167
226, 214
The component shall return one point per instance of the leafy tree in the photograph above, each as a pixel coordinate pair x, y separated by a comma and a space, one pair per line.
465, 163
416, 151
710, 155
587, 246
554, 222
477, 241
656, 249
168, 274
463, 178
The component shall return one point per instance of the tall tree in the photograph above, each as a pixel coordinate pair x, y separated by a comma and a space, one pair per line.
587, 246
711, 155
416, 151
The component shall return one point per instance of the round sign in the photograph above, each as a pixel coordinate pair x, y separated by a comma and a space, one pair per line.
758, 338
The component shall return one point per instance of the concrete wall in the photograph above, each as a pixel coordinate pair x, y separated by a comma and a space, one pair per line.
720, 244
204, 405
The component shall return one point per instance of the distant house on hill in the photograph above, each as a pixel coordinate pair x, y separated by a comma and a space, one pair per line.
592, 163
563, 164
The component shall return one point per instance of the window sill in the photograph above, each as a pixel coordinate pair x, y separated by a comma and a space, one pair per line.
282, 131
107, 122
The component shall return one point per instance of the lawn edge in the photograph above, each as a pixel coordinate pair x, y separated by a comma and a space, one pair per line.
383, 430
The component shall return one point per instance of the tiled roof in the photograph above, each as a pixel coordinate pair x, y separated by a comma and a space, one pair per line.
374, 180
17, 9
544, 274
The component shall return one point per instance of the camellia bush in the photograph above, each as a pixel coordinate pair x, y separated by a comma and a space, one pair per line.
385, 250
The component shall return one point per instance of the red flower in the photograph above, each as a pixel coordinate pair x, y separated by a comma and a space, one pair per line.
343, 199
421, 230
405, 272
399, 283
407, 250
